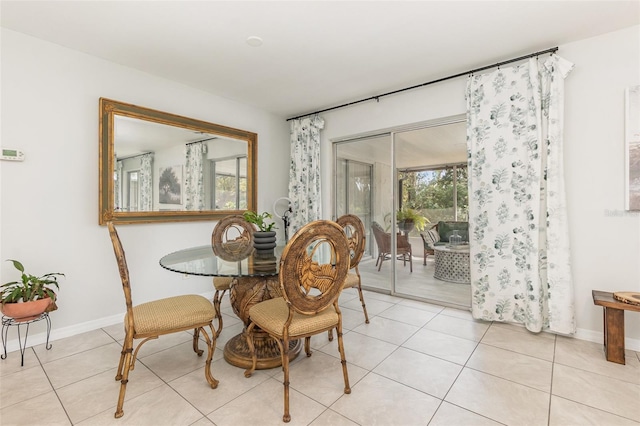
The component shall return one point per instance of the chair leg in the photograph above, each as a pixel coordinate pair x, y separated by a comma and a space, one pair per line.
410, 262
217, 300
196, 338
424, 261
343, 359
330, 333
307, 346
252, 349
124, 379
284, 350
211, 347
364, 308
122, 357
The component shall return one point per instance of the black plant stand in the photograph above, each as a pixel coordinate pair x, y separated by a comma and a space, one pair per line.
11, 322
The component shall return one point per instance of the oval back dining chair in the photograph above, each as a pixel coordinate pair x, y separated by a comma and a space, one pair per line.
313, 268
231, 237
354, 230
150, 320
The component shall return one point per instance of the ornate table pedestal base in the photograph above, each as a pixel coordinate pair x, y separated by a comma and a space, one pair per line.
245, 293
236, 351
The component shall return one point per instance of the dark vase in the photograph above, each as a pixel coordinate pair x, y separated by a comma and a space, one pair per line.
406, 225
264, 262
264, 241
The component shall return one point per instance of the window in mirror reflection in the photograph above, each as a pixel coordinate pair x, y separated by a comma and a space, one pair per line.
134, 191
230, 188
132, 180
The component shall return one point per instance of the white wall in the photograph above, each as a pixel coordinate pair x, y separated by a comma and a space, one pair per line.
605, 239
49, 205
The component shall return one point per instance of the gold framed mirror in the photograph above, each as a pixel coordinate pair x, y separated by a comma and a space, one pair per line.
160, 167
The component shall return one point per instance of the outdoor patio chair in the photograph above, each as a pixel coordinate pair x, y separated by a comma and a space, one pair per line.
383, 240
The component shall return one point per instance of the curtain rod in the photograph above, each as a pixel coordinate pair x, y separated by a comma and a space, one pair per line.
377, 97
203, 140
134, 156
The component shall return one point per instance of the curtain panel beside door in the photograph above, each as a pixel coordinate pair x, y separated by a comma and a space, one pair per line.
304, 172
519, 251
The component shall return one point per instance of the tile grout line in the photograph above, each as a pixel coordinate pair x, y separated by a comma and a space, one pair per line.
553, 367
66, 413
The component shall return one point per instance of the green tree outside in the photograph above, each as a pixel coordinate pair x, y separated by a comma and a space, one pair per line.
431, 192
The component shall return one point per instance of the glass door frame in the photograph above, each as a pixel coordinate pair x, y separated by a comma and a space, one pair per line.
347, 198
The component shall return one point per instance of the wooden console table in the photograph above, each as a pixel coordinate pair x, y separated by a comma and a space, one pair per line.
613, 323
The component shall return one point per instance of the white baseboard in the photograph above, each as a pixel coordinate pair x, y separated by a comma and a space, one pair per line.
61, 333
57, 334
597, 337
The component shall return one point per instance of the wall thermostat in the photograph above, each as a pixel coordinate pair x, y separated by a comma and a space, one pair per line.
12, 155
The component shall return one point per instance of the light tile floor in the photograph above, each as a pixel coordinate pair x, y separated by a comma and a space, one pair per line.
414, 364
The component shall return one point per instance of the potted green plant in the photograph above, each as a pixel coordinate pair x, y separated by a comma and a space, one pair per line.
29, 297
264, 239
409, 218
260, 220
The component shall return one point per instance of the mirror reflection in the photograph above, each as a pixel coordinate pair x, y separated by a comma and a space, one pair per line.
160, 168
163, 167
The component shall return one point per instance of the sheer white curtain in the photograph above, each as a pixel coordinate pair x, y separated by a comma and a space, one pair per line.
304, 173
194, 180
520, 265
146, 182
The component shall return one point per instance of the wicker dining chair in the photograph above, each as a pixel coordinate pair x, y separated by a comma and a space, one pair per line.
354, 230
150, 320
231, 237
313, 268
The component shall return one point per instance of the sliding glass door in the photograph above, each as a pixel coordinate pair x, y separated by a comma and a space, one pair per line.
420, 172
353, 191
362, 186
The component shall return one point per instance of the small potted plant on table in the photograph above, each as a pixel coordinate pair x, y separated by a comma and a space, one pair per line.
30, 297
264, 239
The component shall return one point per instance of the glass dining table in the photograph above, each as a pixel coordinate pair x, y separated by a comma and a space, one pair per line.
255, 279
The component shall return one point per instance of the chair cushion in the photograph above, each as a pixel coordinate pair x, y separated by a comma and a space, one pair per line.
173, 313
272, 314
222, 283
431, 237
446, 228
352, 280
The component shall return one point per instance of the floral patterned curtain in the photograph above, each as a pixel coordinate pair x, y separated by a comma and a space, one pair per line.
146, 182
519, 249
304, 173
194, 180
